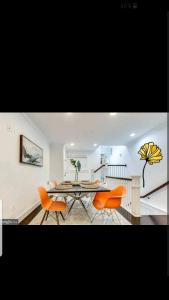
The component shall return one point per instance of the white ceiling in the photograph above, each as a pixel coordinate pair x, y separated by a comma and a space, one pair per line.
85, 129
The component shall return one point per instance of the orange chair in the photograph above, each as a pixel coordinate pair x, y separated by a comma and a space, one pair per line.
109, 200
51, 206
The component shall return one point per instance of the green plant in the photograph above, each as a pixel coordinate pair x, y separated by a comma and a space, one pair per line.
77, 165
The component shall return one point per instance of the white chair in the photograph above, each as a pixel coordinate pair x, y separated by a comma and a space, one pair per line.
51, 185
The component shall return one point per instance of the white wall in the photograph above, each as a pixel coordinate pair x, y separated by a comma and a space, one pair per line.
83, 156
19, 182
92, 159
156, 174
121, 156
57, 157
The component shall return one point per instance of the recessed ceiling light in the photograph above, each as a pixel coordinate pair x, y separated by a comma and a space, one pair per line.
69, 114
95, 145
132, 134
112, 114
72, 144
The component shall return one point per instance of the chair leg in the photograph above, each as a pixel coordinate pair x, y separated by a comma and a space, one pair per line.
67, 201
62, 216
43, 217
57, 218
47, 215
94, 217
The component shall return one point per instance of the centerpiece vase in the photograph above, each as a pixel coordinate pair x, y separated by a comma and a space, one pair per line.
76, 176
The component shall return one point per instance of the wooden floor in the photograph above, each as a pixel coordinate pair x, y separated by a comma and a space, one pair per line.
154, 220
152, 215
155, 216
78, 217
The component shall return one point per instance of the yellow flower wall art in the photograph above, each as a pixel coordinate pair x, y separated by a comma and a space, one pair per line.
151, 153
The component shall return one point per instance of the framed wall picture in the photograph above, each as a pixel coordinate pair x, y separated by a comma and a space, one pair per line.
30, 153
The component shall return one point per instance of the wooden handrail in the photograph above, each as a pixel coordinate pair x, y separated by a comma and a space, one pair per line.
155, 190
109, 166
99, 168
120, 178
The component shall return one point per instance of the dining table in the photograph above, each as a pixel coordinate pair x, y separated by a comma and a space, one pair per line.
77, 193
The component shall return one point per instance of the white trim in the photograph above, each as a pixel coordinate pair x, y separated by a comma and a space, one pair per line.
27, 212
145, 202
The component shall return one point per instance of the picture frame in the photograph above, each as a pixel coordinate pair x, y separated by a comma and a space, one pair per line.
30, 153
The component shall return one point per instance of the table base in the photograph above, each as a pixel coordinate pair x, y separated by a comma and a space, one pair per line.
78, 198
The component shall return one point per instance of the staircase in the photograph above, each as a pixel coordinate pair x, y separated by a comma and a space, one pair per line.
103, 171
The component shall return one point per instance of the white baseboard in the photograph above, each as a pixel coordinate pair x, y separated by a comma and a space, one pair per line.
27, 212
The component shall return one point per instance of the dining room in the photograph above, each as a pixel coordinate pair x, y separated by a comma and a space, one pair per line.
82, 168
